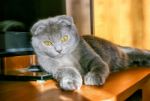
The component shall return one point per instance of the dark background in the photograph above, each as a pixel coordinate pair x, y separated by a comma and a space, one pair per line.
29, 11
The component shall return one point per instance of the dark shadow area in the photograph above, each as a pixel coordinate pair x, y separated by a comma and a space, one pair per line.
29, 11
137, 96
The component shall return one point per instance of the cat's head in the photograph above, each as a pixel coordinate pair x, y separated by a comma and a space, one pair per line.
54, 36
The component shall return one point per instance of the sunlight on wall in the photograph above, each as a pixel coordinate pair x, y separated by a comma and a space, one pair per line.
124, 22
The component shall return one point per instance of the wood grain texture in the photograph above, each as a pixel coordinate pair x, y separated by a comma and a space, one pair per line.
17, 62
125, 22
111, 20
118, 87
146, 25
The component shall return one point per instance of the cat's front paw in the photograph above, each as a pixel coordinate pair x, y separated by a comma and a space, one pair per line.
68, 83
92, 78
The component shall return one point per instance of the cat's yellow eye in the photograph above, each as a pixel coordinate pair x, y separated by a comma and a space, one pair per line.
47, 43
64, 38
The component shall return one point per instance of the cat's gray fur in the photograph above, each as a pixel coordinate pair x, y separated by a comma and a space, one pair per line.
86, 59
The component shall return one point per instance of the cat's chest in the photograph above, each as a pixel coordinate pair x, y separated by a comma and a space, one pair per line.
68, 60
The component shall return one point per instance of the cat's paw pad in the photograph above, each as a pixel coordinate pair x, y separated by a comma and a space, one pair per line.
70, 84
94, 79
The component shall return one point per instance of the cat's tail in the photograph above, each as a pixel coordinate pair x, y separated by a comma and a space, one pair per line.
137, 57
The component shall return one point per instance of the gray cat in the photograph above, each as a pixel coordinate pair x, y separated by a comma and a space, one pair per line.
73, 60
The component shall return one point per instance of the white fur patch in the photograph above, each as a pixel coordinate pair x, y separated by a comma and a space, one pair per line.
127, 50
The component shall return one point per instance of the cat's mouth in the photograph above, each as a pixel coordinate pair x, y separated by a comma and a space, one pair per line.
60, 54
57, 55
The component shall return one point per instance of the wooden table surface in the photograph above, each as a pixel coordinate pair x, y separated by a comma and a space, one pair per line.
119, 86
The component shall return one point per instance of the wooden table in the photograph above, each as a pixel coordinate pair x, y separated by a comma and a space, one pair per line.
118, 87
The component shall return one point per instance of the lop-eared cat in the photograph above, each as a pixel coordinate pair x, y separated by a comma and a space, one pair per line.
73, 60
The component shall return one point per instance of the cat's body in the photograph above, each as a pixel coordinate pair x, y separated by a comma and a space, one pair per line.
73, 60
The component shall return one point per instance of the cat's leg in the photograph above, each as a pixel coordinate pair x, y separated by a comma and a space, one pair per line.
68, 78
98, 73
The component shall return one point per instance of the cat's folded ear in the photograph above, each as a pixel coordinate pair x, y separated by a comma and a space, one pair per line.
37, 28
40, 26
65, 19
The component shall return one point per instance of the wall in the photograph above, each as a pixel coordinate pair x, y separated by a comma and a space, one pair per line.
125, 22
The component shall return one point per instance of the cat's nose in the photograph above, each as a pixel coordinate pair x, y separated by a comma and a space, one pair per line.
59, 51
